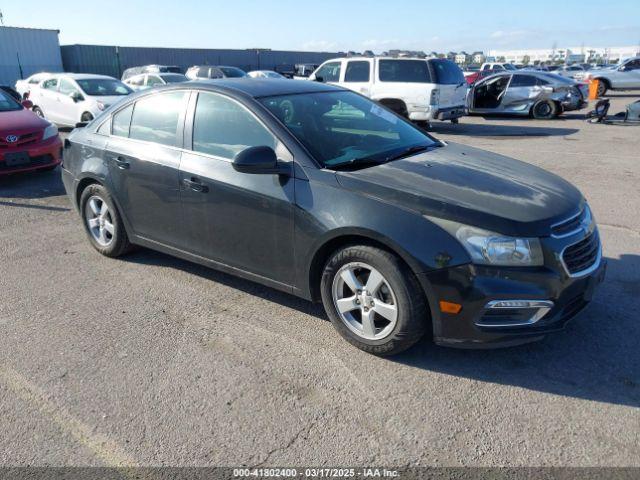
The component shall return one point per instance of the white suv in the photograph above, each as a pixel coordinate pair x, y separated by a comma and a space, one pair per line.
419, 89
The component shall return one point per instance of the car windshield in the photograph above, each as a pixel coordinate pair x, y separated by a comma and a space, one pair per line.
232, 72
8, 103
174, 78
341, 128
102, 87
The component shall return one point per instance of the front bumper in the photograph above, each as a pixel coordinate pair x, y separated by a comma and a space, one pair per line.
476, 287
41, 155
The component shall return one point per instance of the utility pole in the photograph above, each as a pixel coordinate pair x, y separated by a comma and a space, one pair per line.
1, 18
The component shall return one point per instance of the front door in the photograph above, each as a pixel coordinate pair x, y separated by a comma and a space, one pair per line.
143, 155
237, 219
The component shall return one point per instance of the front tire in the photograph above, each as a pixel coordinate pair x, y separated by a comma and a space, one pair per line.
102, 222
374, 300
602, 88
38, 112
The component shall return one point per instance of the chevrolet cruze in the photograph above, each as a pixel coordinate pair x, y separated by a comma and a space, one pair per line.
320, 192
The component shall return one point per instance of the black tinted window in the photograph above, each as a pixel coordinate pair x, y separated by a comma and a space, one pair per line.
121, 122
222, 127
357, 72
155, 118
414, 71
523, 81
446, 72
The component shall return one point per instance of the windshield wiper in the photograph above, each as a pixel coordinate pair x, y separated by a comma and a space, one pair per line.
410, 151
356, 162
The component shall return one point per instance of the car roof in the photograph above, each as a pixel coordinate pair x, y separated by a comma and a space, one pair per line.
255, 87
82, 76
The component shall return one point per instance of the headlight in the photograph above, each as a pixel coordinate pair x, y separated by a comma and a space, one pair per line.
490, 248
50, 131
101, 106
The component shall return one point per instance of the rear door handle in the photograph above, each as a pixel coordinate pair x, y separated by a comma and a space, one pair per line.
195, 184
122, 163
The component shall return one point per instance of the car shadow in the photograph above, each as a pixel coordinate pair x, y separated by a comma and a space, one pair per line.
482, 130
596, 357
37, 184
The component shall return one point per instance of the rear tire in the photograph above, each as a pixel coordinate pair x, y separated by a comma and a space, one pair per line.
86, 117
383, 309
102, 222
545, 110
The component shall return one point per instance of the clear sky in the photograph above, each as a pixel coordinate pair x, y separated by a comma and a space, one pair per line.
335, 24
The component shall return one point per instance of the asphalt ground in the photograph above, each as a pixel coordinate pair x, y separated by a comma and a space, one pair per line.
150, 360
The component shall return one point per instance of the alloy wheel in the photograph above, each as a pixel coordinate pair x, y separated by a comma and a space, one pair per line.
99, 220
365, 301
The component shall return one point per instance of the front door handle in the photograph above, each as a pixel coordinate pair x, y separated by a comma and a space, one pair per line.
195, 185
122, 163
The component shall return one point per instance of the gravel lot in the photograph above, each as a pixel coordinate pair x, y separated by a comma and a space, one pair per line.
150, 360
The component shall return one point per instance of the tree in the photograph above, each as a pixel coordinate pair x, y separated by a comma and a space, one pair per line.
526, 59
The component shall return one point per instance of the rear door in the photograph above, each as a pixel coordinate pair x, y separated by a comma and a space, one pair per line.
522, 90
358, 76
240, 220
47, 99
450, 82
143, 156
630, 78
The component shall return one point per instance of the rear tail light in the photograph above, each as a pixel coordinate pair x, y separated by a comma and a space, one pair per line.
435, 97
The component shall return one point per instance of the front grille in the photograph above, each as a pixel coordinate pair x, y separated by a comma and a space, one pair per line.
582, 255
23, 140
569, 226
40, 160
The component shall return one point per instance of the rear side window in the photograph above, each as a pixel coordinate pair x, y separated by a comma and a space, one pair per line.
50, 84
523, 81
222, 127
156, 118
446, 72
121, 122
357, 72
329, 72
412, 71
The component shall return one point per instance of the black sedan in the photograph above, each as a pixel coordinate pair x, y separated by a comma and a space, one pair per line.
322, 193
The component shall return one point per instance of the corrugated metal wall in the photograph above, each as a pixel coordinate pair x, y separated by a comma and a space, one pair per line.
111, 60
24, 51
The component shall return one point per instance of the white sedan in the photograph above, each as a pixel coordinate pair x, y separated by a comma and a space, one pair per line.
67, 99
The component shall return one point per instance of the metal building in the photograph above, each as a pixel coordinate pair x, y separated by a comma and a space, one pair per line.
25, 51
112, 60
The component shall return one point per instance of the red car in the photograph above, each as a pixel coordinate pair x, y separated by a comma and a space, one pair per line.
27, 142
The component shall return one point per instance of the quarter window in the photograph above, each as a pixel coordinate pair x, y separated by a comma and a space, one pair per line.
329, 72
122, 121
357, 72
156, 118
223, 128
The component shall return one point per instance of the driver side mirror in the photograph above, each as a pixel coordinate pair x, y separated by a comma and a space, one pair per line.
316, 78
28, 104
76, 96
258, 160
623, 68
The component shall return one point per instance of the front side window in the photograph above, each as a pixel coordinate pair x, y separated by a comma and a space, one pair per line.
329, 72
156, 118
222, 127
66, 87
357, 71
103, 87
340, 128
122, 121
410, 71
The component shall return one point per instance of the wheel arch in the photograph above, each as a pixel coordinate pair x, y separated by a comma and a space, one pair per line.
347, 238
83, 184
390, 102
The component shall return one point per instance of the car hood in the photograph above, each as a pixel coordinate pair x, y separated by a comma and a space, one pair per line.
18, 121
471, 186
